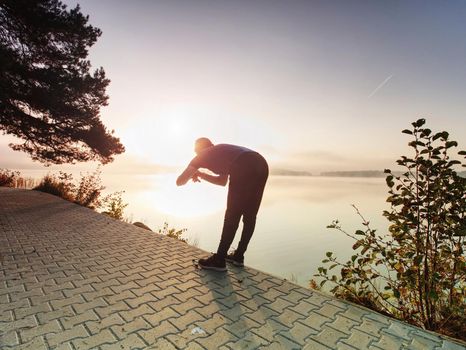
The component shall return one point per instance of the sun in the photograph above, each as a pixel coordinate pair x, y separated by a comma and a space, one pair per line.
167, 142
177, 127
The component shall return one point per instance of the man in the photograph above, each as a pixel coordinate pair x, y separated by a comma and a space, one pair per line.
248, 172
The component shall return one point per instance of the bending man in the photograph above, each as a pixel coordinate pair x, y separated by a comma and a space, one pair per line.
248, 172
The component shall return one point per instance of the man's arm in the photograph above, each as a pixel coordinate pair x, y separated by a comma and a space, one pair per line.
186, 175
220, 180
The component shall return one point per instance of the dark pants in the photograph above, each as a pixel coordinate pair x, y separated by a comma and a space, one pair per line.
248, 176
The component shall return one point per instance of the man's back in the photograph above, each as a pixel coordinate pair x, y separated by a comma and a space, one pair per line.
219, 158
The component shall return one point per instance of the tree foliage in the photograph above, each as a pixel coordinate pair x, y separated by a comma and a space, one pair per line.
417, 270
48, 96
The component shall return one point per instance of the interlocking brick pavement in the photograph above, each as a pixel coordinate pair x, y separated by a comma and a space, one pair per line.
71, 278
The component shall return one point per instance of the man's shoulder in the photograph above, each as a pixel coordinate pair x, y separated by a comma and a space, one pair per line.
230, 146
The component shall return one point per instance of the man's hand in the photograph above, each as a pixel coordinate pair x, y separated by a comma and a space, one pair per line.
220, 180
186, 175
196, 176
191, 173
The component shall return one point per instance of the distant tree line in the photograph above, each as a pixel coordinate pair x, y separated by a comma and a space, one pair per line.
356, 173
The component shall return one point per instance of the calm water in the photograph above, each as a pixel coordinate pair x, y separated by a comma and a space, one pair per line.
291, 237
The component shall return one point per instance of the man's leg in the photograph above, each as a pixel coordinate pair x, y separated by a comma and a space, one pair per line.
249, 221
230, 225
251, 207
249, 224
232, 217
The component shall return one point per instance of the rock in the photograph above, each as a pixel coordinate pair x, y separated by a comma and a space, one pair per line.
141, 225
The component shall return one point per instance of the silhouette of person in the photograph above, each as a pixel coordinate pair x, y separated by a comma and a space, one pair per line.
247, 171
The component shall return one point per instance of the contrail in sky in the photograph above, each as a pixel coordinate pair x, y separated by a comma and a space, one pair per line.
381, 85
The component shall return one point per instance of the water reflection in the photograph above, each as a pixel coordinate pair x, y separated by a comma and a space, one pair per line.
190, 201
291, 237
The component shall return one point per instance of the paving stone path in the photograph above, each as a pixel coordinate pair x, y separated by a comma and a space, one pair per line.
71, 278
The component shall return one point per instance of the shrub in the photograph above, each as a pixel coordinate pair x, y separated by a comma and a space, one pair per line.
416, 271
89, 190
114, 205
87, 193
60, 185
8, 177
172, 233
24, 182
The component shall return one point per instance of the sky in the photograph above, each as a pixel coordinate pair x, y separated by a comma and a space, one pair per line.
312, 85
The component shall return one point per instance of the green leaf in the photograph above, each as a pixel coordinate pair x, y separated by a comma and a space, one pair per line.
345, 273
406, 131
462, 153
433, 295
360, 233
329, 254
426, 132
389, 181
386, 296
357, 244
418, 123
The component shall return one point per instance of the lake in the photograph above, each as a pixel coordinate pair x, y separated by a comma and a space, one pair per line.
291, 237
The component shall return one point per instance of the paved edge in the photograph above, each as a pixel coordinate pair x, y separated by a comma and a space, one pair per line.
71, 278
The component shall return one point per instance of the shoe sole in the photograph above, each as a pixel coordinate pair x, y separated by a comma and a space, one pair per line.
234, 262
213, 268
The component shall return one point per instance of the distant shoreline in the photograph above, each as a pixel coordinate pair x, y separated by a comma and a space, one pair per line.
356, 173
346, 174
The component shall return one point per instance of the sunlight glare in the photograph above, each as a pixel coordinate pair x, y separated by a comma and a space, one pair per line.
191, 200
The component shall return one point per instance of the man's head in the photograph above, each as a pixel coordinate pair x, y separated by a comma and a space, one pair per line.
201, 144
